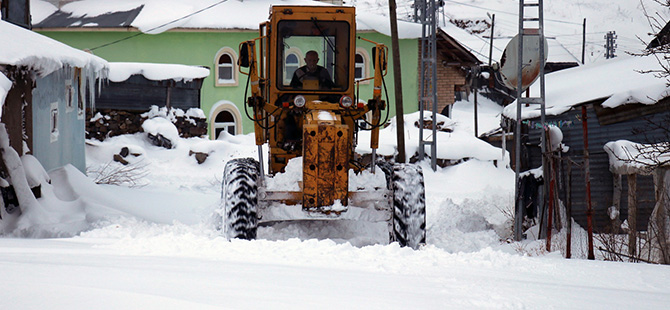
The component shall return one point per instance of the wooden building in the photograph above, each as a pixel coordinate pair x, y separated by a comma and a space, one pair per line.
45, 107
621, 104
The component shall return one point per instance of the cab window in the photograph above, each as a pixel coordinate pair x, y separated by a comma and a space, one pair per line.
330, 41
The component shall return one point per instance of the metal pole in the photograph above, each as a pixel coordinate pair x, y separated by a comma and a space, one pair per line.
543, 141
260, 160
476, 87
493, 23
587, 175
568, 206
583, 40
422, 86
433, 47
550, 210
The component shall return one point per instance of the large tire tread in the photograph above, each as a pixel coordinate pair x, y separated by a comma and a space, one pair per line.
409, 206
239, 198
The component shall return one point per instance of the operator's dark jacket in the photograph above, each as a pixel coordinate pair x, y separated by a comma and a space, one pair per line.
320, 73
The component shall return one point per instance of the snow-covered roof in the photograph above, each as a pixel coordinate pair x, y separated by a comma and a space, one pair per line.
22, 47
618, 81
157, 16
121, 71
39, 10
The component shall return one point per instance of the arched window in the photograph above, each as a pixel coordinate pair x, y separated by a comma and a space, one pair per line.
291, 64
359, 71
361, 65
224, 116
224, 121
226, 67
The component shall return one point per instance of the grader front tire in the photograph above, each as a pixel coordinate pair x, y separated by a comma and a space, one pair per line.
409, 206
239, 198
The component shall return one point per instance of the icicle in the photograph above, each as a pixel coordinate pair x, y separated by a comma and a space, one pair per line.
90, 84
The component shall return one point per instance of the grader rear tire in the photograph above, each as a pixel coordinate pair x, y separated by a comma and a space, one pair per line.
239, 198
409, 206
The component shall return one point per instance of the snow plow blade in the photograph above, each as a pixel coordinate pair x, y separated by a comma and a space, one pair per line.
370, 206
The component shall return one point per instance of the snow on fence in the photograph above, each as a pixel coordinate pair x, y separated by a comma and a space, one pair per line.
633, 159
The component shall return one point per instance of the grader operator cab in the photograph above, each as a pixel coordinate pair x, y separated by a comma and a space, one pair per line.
313, 112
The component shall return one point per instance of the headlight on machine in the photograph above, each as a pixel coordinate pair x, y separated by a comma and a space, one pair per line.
299, 101
346, 101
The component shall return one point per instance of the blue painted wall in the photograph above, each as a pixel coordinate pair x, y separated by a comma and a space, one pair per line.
68, 148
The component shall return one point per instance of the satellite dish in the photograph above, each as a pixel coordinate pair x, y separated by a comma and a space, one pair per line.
509, 62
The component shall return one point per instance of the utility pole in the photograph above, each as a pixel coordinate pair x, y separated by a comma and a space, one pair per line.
475, 87
583, 40
397, 78
493, 24
610, 44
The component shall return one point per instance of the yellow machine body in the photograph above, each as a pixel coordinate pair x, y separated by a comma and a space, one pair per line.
321, 128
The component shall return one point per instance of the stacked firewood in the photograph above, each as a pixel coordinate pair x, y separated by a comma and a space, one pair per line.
109, 123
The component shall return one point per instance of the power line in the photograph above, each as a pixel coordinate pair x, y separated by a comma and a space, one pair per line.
509, 13
157, 27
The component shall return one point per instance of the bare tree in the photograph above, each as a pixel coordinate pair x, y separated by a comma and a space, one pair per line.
658, 47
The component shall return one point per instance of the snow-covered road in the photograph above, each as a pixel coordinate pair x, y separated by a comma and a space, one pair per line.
193, 270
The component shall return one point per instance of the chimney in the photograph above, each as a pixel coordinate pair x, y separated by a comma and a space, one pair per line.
16, 12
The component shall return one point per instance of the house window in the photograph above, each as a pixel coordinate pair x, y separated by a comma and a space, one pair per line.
224, 121
359, 71
69, 96
226, 68
460, 93
54, 122
361, 64
291, 64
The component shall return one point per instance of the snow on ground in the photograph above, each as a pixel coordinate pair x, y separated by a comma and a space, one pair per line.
156, 245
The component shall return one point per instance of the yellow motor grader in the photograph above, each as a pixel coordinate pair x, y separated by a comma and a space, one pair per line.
313, 112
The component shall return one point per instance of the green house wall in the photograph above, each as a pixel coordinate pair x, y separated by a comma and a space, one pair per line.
200, 48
